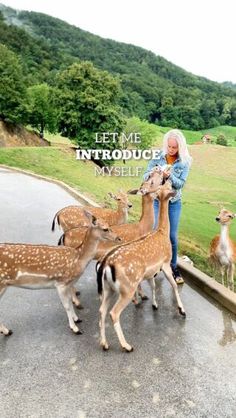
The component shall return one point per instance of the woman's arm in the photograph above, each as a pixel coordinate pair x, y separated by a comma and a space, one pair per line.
178, 182
151, 165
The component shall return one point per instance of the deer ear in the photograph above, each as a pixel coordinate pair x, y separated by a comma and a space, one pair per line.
112, 195
94, 220
91, 217
172, 193
133, 191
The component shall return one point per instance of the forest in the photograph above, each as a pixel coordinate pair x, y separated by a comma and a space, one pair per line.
58, 77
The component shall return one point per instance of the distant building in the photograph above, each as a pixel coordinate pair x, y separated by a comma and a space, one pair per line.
206, 139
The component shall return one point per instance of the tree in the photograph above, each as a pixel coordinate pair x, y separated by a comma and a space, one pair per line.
41, 108
88, 105
233, 112
12, 89
209, 113
221, 140
148, 132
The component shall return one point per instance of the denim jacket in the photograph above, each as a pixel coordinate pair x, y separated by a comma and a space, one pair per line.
178, 176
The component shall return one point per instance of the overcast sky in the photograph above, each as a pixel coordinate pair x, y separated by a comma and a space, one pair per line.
197, 35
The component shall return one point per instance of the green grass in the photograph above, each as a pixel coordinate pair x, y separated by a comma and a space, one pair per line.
57, 139
195, 136
211, 183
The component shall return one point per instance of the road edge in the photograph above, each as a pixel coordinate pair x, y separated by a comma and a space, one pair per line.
208, 284
60, 183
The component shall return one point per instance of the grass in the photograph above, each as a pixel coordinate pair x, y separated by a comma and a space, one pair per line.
57, 139
195, 136
211, 183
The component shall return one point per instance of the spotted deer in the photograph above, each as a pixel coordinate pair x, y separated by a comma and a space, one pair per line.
223, 249
127, 232
72, 216
43, 266
123, 268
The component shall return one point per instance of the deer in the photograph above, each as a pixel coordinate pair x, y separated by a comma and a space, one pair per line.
223, 249
127, 232
72, 216
43, 266
123, 269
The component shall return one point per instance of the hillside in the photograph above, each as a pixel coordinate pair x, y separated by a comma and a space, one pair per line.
153, 88
12, 135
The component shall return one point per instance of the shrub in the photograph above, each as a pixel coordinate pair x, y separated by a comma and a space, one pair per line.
221, 140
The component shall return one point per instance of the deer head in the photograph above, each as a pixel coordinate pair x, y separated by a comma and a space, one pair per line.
165, 192
225, 217
122, 198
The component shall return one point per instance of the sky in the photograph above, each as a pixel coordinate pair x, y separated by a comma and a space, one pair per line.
197, 35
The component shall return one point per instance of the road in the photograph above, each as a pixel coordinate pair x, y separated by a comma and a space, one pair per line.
179, 368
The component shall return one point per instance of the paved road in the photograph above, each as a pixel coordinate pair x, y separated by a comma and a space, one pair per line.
180, 368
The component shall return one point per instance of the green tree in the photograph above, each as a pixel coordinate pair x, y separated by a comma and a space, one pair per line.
233, 113
226, 114
12, 88
147, 131
209, 113
88, 105
41, 108
221, 140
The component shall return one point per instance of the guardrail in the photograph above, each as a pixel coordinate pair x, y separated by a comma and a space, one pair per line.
209, 285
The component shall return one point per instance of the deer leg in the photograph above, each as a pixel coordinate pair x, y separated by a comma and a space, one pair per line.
3, 329
75, 299
168, 273
153, 288
106, 298
135, 299
75, 317
64, 293
117, 309
141, 293
230, 276
222, 272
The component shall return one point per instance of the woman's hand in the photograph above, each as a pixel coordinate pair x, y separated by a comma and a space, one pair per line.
166, 174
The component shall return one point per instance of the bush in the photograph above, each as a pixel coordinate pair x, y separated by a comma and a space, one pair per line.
221, 140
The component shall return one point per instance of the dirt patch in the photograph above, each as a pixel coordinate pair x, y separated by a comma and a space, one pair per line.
12, 135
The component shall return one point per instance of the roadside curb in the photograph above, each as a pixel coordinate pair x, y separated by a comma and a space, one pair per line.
60, 183
217, 291
209, 285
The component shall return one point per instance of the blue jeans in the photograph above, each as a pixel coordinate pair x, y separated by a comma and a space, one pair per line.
174, 217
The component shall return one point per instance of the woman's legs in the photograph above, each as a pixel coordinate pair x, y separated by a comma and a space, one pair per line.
156, 211
174, 217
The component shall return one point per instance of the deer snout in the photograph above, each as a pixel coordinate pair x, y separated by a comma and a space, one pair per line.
130, 205
218, 219
142, 191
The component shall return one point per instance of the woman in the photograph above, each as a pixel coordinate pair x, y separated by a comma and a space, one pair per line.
175, 161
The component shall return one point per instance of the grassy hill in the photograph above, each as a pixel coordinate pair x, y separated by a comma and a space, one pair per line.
211, 183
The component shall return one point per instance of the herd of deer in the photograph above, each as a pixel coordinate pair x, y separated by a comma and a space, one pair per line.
126, 254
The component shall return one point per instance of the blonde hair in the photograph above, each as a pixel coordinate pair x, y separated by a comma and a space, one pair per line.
183, 152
